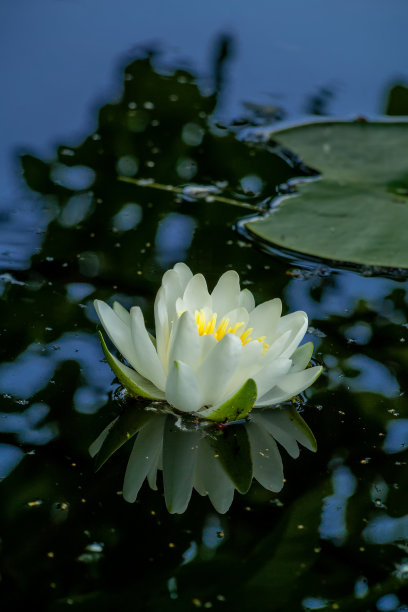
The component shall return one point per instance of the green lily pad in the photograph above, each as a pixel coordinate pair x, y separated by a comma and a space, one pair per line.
234, 452
236, 407
357, 211
125, 427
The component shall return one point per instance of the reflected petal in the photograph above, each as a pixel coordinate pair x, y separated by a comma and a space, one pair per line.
212, 479
96, 445
143, 457
270, 420
179, 463
268, 468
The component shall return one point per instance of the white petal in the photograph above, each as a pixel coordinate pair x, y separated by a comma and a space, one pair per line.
146, 449
297, 323
277, 345
161, 320
271, 375
289, 386
185, 344
268, 469
207, 344
249, 363
271, 421
226, 293
122, 313
148, 362
247, 300
196, 294
212, 479
182, 389
264, 319
237, 315
184, 274
172, 290
179, 462
299, 381
302, 356
118, 332
215, 373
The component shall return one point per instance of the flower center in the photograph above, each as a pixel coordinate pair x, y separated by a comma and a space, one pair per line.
211, 328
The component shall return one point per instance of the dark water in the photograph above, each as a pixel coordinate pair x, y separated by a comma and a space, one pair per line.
336, 536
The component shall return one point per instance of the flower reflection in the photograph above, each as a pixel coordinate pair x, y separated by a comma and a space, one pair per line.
214, 460
215, 355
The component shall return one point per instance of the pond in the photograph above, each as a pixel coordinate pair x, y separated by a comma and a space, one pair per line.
171, 167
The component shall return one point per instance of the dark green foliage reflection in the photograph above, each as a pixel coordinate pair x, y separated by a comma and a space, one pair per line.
336, 536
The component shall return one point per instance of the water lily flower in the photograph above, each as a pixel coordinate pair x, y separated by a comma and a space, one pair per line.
215, 355
198, 459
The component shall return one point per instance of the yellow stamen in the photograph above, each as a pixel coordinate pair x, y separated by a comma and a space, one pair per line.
209, 328
264, 344
200, 320
205, 328
245, 336
222, 329
232, 330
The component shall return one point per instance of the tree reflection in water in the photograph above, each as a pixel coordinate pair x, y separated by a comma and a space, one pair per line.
335, 535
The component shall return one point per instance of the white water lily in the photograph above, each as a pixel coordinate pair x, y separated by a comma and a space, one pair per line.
215, 355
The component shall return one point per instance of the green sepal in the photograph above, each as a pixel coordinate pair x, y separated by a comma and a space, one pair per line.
130, 379
234, 408
233, 450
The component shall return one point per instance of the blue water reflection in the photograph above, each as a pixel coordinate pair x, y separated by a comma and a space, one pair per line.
27, 425
10, 457
34, 368
396, 440
333, 524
